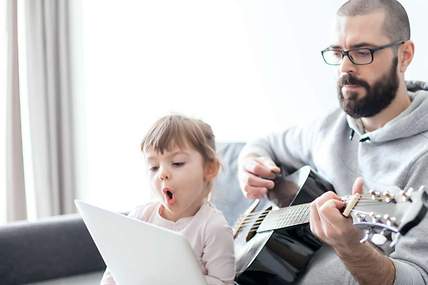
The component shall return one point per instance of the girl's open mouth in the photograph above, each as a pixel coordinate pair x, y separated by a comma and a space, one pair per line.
168, 196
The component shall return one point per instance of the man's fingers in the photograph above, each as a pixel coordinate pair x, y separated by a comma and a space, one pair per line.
328, 206
255, 181
269, 164
330, 211
255, 176
331, 204
334, 223
357, 187
255, 192
262, 167
314, 220
324, 198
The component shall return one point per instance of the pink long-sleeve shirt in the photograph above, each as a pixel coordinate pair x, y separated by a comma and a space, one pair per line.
208, 234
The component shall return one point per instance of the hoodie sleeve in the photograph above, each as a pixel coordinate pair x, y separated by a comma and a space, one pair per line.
290, 148
410, 255
293, 148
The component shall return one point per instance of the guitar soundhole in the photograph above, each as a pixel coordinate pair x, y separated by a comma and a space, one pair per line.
257, 222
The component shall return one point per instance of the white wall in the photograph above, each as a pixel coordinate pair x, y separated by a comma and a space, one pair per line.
247, 67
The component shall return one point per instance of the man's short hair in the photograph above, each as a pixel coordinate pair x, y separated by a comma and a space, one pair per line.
396, 25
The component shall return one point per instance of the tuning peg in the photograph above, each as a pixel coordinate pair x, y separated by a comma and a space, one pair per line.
361, 217
386, 219
375, 195
372, 216
388, 197
376, 218
390, 221
406, 194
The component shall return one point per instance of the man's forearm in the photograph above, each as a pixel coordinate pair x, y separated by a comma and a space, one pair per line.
368, 265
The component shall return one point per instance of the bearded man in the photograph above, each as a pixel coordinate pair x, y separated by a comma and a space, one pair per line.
379, 137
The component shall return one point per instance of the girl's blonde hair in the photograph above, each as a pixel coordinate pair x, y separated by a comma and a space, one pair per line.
180, 131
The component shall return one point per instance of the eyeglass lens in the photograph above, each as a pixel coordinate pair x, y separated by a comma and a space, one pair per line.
357, 56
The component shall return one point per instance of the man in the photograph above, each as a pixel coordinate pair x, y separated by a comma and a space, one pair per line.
380, 134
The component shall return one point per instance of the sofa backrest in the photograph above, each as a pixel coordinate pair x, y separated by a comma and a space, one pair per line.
227, 195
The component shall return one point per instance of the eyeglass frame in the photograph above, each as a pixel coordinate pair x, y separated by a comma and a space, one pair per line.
372, 51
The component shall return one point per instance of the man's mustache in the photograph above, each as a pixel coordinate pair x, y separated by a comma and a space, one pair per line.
349, 79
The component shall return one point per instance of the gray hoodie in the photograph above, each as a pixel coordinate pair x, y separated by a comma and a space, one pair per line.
338, 149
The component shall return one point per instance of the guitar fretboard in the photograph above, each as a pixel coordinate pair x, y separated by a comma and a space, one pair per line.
285, 217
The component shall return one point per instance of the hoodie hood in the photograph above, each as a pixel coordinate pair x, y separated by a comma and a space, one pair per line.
411, 122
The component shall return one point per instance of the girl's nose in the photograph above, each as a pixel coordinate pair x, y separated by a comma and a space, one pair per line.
164, 174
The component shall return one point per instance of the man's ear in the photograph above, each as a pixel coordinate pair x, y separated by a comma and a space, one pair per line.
211, 169
406, 53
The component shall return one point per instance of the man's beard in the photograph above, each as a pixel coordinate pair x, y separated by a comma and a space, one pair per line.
377, 97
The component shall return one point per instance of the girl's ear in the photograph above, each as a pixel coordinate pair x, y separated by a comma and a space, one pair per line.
211, 170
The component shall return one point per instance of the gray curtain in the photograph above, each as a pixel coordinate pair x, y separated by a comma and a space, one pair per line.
15, 182
50, 105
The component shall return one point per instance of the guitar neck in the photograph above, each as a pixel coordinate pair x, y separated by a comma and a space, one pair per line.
286, 217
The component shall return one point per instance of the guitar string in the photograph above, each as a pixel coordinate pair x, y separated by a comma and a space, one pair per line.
258, 222
276, 219
265, 212
255, 218
262, 214
361, 201
255, 226
302, 219
364, 198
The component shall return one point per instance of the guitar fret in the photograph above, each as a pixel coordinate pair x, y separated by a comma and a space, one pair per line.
285, 217
300, 215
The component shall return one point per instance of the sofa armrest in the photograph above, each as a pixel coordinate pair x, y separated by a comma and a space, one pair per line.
50, 248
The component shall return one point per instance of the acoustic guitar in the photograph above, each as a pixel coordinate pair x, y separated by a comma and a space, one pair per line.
273, 242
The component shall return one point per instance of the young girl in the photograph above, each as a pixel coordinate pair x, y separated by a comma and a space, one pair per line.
182, 163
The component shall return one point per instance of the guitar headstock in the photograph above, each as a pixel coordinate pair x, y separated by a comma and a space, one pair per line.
394, 211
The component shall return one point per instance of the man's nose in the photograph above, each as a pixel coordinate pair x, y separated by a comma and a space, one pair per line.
346, 66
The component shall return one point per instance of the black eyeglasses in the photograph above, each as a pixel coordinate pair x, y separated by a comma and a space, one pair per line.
358, 56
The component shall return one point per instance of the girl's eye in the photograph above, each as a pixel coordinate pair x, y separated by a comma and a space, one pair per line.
153, 168
179, 163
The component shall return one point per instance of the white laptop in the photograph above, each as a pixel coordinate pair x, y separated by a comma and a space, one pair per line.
139, 253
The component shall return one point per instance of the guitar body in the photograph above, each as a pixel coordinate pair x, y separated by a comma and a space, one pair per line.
279, 256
